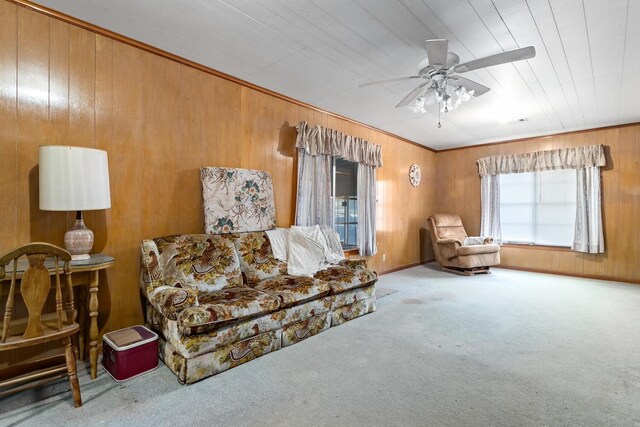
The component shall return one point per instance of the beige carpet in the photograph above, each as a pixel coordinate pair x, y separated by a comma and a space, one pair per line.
383, 292
506, 349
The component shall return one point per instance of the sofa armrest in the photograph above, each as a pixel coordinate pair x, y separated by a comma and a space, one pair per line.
448, 248
169, 301
151, 274
448, 242
355, 264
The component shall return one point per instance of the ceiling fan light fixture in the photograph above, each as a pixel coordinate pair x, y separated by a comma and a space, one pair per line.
449, 103
417, 106
431, 97
453, 95
440, 71
463, 93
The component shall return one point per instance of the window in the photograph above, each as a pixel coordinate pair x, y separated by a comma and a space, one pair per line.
538, 207
345, 199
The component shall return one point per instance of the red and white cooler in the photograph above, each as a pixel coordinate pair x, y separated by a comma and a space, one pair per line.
129, 352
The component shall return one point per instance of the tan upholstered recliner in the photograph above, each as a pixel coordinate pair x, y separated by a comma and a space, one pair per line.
447, 236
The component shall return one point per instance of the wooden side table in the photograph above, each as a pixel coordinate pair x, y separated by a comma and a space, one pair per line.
91, 266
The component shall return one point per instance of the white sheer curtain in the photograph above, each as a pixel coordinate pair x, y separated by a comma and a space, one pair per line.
367, 210
490, 207
587, 161
316, 147
313, 203
589, 236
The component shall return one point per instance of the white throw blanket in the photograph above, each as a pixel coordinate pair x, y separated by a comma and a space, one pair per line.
279, 239
306, 249
333, 253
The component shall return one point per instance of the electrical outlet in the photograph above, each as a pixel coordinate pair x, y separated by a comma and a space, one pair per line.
384, 257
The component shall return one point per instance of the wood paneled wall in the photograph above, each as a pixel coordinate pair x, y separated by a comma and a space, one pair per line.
160, 121
458, 191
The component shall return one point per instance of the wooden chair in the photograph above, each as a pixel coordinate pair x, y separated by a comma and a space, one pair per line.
40, 328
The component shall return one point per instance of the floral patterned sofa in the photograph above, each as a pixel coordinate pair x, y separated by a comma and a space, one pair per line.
221, 299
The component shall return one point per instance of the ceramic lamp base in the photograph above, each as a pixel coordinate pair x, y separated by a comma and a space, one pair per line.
78, 241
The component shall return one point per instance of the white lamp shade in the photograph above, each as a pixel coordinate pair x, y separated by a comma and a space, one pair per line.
73, 178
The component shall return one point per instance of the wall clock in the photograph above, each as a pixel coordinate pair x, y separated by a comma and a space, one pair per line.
414, 175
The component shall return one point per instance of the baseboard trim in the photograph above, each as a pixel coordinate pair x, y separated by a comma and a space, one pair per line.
558, 273
531, 270
404, 267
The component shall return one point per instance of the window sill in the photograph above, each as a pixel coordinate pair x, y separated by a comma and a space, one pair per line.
539, 247
350, 251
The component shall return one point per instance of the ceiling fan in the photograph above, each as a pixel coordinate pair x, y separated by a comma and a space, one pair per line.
442, 84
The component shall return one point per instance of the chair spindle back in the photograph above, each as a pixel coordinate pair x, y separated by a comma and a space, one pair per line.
35, 286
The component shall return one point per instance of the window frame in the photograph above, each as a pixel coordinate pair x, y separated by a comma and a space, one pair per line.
536, 206
347, 245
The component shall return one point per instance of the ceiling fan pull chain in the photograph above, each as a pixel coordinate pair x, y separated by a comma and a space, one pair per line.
439, 106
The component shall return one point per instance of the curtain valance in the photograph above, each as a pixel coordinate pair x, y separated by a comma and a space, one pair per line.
318, 140
562, 158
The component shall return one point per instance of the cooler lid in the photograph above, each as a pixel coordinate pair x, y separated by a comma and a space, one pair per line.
133, 336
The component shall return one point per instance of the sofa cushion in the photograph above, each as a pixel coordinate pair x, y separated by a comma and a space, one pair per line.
198, 261
256, 257
237, 200
354, 264
223, 307
293, 289
341, 279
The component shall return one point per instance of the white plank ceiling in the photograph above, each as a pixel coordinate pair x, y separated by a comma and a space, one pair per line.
586, 73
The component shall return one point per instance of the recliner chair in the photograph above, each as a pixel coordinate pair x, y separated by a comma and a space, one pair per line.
447, 237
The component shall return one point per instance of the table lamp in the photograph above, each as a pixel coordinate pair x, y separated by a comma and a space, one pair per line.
74, 179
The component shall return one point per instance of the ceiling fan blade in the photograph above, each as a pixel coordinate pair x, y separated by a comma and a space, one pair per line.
395, 79
412, 95
497, 59
477, 88
437, 52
